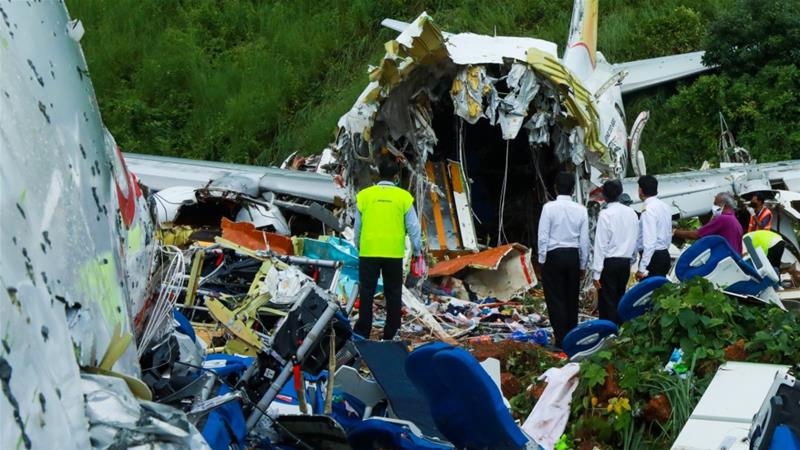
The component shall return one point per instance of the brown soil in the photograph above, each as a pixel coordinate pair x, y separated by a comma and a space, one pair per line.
610, 387
510, 385
526, 354
589, 445
658, 409
735, 351
536, 390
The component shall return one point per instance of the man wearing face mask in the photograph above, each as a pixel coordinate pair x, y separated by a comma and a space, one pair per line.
760, 215
384, 215
723, 223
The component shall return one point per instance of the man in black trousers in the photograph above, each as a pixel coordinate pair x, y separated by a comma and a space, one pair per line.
563, 251
384, 216
655, 231
614, 250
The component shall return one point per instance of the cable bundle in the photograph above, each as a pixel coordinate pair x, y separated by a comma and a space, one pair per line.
171, 287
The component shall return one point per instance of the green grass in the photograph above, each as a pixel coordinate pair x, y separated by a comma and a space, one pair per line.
250, 82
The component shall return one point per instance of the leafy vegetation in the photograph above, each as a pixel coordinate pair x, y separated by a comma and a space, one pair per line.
246, 81
625, 396
757, 90
250, 82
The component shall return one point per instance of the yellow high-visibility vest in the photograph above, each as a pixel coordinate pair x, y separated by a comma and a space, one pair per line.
764, 239
383, 229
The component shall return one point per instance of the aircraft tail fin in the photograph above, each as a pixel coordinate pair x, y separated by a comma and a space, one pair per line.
582, 41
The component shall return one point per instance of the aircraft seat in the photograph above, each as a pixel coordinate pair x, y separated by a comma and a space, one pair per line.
638, 299
713, 259
466, 404
588, 338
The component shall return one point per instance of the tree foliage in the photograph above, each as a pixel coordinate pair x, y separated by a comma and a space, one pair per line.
757, 89
248, 81
754, 34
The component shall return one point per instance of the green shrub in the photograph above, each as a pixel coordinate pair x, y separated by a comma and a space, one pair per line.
753, 34
762, 110
708, 326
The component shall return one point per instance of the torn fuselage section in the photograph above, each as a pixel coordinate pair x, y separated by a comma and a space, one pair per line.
481, 134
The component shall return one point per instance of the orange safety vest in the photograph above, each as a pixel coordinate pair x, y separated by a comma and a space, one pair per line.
761, 220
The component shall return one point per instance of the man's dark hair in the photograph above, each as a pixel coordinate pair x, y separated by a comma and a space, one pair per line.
387, 167
649, 185
612, 190
760, 195
565, 183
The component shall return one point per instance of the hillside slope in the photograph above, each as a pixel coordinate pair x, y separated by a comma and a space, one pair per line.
250, 82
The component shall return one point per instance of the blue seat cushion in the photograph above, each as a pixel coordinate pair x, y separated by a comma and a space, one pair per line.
638, 299
184, 326
465, 402
347, 410
719, 249
225, 425
751, 288
233, 365
588, 335
419, 370
374, 433
784, 439
387, 362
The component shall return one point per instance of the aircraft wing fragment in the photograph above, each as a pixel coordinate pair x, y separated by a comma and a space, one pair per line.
645, 73
161, 172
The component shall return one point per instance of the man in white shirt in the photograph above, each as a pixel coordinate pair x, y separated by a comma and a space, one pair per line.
655, 231
563, 252
615, 242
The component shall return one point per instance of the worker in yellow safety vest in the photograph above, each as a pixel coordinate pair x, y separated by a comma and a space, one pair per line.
771, 243
384, 215
760, 215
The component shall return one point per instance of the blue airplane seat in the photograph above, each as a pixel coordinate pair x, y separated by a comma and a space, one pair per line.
419, 369
588, 337
225, 425
784, 439
638, 299
395, 433
382, 433
713, 258
465, 402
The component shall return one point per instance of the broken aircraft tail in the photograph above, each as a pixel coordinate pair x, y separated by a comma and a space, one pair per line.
580, 55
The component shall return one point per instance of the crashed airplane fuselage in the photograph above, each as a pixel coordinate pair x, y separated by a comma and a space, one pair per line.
484, 123
77, 235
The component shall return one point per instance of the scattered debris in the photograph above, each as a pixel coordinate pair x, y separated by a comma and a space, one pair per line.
502, 273
217, 312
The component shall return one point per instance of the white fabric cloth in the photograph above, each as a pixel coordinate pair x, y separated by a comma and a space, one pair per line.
655, 230
616, 235
564, 224
548, 420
